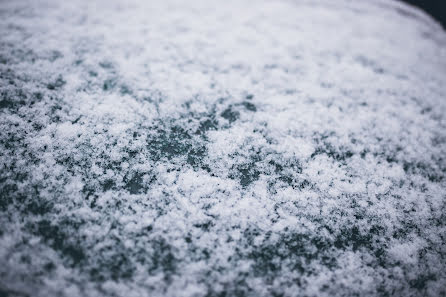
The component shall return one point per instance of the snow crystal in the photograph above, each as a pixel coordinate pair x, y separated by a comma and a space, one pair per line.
238, 148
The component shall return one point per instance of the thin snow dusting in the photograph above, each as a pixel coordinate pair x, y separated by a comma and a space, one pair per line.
230, 148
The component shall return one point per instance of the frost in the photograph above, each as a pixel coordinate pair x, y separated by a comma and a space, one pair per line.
239, 148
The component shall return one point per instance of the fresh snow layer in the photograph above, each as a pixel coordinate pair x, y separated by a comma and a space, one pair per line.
230, 148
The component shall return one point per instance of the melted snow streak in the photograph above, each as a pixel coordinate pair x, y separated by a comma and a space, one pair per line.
231, 148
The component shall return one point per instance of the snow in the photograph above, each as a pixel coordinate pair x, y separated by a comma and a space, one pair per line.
236, 148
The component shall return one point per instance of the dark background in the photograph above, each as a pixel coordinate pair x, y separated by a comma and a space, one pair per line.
436, 8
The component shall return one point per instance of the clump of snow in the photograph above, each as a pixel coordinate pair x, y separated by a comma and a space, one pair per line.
238, 148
